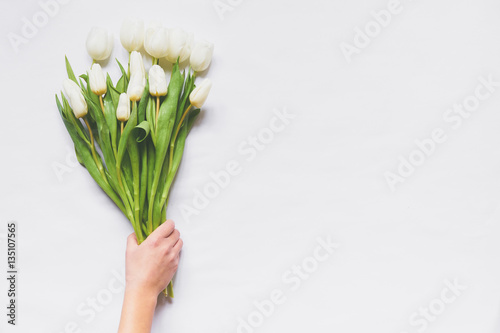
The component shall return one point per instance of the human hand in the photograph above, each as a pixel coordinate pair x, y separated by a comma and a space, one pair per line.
151, 265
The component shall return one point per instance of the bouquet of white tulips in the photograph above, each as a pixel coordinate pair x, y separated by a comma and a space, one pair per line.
130, 136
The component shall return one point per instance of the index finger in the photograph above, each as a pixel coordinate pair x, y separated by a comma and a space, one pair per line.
165, 229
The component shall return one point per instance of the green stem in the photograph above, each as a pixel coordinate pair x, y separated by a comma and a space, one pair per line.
172, 144
169, 291
136, 177
102, 105
133, 216
157, 109
151, 205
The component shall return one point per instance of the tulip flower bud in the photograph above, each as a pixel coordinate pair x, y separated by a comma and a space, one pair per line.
132, 34
123, 109
136, 64
179, 45
99, 43
137, 77
157, 81
201, 56
199, 95
186, 50
136, 87
75, 98
97, 80
155, 41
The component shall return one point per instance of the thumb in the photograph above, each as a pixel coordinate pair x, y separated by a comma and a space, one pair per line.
132, 241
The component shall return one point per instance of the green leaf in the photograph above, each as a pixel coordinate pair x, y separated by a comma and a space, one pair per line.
151, 169
71, 74
110, 116
79, 157
143, 103
84, 156
122, 145
106, 148
60, 107
159, 199
176, 161
131, 123
166, 120
122, 84
150, 117
192, 118
90, 94
141, 131
168, 177
144, 177
127, 180
115, 96
76, 122
133, 152
124, 73
188, 88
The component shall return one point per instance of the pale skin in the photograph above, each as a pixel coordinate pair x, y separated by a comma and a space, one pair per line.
149, 268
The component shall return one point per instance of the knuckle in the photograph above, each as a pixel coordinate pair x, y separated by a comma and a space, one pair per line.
170, 223
166, 251
155, 242
171, 256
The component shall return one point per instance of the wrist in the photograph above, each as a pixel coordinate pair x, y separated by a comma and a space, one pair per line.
145, 296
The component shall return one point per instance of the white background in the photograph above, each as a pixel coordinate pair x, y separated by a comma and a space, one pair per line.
322, 176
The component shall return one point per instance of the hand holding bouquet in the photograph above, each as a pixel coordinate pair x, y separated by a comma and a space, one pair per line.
130, 136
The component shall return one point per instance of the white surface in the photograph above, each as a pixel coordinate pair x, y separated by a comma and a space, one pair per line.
322, 175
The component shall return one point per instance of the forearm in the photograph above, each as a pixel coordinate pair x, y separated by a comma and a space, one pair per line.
137, 312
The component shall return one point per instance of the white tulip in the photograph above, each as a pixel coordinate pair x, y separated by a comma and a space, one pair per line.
97, 80
123, 109
75, 98
179, 45
201, 56
132, 34
157, 81
137, 77
156, 41
186, 50
136, 64
199, 95
99, 43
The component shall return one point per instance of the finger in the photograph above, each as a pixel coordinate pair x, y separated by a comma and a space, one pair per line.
132, 240
173, 238
178, 245
164, 230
